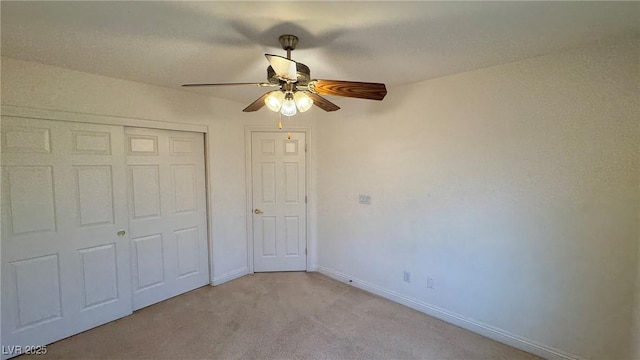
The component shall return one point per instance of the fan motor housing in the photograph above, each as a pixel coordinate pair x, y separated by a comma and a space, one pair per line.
303, 72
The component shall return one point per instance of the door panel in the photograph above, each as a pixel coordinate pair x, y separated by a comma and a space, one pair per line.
31, 197
279, 188
38, 290
64, 269
95, 194
144, 182
187, 251
168, 213
148, 262
99, 275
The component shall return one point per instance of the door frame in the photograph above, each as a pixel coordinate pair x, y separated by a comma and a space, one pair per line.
58, 115
249, 130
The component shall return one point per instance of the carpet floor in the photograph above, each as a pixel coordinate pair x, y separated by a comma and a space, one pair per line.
279, 316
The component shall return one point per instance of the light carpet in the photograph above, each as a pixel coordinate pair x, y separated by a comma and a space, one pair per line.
279, 316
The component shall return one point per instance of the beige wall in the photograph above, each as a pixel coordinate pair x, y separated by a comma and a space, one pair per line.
515, 187
33, 85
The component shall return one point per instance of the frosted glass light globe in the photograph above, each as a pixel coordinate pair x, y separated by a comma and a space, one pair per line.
288, 106
303, 102
274, 100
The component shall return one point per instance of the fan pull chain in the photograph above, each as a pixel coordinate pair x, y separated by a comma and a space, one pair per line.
280, 126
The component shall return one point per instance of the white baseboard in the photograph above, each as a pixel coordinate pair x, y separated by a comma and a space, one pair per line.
231, 275
499, 335
312, 267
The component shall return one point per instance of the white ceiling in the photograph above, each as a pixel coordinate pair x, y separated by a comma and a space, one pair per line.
171, 43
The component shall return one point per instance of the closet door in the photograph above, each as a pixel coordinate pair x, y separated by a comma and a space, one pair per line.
167, 209
65, 247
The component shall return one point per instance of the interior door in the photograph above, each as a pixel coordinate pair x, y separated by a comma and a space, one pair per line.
167, 213
64, 267
279, 202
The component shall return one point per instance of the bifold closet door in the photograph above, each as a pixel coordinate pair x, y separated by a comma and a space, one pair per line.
167, 213
65, 258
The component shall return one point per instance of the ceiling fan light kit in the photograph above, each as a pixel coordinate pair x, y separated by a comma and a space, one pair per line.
274, 100
288, 105
298, 92
288, 102
303, 102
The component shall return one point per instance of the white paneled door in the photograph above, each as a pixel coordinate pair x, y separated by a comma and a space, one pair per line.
65, 258
279, 202
97, 221
167, 209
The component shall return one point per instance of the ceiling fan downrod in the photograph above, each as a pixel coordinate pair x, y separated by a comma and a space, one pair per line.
288, 43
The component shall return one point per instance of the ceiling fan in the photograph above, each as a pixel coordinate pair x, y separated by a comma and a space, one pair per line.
297, 91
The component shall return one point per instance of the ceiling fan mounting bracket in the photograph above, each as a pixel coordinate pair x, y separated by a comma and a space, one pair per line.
288, 42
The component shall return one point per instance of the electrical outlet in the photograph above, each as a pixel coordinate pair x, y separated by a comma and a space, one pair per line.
431, 283
407, 276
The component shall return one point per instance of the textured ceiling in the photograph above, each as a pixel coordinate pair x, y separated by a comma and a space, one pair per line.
171, 43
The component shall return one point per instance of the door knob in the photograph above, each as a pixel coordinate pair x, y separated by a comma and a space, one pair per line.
121, 233
257, 211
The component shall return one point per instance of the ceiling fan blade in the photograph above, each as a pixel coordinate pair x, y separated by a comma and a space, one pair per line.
321, 102
258, 104
354, 89
285, 68
232, 84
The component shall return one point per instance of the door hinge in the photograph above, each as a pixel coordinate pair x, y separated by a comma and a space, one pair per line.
305, 199
305, 251
305, 147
